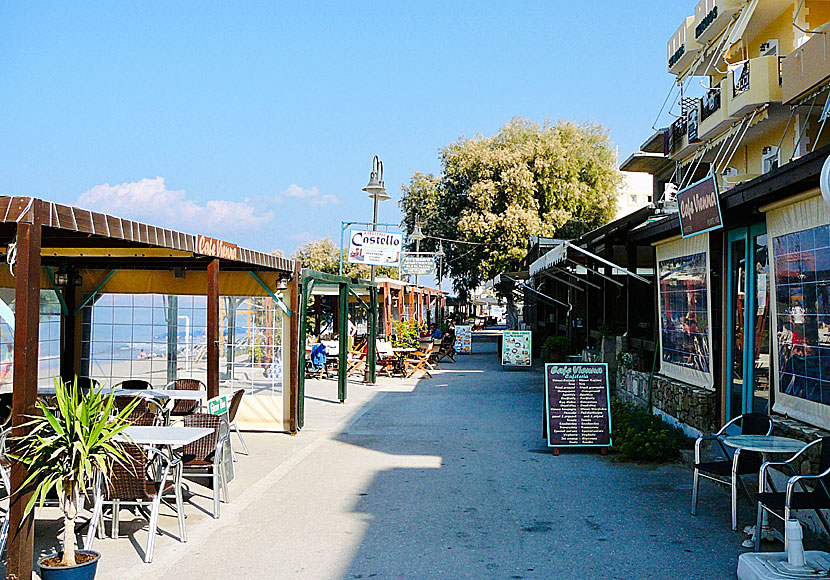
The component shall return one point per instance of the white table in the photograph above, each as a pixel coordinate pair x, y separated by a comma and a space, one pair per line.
161, 394
170, 436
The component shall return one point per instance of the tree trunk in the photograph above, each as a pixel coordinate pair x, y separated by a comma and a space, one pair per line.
70, 511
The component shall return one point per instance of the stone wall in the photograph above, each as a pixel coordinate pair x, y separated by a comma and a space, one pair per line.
695, 409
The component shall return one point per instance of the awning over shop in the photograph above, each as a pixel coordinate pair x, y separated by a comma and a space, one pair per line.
568, 252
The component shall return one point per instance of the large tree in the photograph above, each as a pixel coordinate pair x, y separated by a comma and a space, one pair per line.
495, 192
323, 256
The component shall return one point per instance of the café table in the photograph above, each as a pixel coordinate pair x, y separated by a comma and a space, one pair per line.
171, 436
765, 445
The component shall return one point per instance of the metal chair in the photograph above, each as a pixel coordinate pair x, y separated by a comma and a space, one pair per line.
134, 384
203, 458
182, 408
816, 498
148, 411
727, 471
234, 407
139, 479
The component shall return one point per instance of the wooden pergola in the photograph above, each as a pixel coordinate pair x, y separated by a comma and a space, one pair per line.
95, 252
413, 302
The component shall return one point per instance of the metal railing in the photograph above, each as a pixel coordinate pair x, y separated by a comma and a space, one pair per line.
678, 131
740, 79
710, 104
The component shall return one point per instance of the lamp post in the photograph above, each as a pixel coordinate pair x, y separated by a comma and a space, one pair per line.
417, 235
440, 255
377, 192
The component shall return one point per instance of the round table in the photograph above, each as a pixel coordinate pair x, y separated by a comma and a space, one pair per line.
764, 443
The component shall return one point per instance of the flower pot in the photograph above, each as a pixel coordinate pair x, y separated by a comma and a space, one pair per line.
85, 571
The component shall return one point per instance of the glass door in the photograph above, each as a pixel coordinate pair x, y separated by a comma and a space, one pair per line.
747, 321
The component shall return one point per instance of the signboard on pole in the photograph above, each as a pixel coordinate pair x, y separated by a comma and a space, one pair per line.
375, 248
577, 405
699, 207
515, 348
418, 264
464, 339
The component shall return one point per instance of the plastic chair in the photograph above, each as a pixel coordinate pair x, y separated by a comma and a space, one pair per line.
133, 481
727, 471
816, 498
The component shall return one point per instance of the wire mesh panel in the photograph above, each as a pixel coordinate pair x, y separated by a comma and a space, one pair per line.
161, 338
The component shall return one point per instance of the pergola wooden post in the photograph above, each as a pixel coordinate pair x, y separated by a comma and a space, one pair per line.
213, 328
26, 327
296, 346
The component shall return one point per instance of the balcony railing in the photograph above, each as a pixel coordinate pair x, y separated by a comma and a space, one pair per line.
678, 131
710, 104
740, 80
806, 68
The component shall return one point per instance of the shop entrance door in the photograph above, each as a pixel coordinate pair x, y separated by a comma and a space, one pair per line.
747, 368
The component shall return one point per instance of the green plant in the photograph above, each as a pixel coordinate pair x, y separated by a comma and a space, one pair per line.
69, 441
407, 333
643, 437
625, 360
559, 345
604, 330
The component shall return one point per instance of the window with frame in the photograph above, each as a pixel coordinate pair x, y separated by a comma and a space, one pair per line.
684, 311
802, 283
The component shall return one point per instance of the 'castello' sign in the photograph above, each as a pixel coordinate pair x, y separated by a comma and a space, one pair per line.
213, 247
699, 207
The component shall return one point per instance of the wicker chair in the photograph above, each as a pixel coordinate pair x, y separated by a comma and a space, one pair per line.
203, 458
140, 479
182, 408
234, 407
134, 385
148, 411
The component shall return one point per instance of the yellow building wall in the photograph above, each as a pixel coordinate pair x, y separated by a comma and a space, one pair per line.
780, 28
816, 13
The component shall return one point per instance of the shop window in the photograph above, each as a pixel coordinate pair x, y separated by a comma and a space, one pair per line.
684, 312
802, 283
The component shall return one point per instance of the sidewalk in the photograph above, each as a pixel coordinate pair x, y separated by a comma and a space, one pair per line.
446, 477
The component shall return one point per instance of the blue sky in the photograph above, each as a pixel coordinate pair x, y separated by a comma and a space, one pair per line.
257, 122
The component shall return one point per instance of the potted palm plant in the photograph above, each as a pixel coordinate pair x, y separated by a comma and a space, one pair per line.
70, 440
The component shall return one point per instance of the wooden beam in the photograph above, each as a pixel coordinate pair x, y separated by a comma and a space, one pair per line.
27, 321
213, 329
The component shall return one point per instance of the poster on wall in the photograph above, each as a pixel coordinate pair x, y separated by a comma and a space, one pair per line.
464, 339
515, 348
375, 248
577, 405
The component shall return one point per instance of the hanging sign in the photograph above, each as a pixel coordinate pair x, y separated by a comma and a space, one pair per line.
464, 339
217, 248
375, 248
515, 348
418, 264
577, 405
699, 207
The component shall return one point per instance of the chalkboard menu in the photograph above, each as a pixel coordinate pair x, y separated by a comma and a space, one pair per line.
577, 405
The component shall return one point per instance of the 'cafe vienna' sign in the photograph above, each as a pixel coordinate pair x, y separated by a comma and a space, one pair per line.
213, 247
699, 207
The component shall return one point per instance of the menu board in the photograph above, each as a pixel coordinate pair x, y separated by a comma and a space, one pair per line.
578, 410
515, 348
464, 339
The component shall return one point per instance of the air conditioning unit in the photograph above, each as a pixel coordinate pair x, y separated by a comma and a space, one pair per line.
729, 172
769, 158
770, 47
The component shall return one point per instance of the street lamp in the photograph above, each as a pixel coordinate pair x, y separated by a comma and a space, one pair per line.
377, 192
417, 235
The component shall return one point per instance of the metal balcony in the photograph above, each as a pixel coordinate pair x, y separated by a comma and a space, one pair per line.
752, 83
714, 118
806, 68
682, 47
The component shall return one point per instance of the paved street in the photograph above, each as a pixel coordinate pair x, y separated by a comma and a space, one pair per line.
444, 478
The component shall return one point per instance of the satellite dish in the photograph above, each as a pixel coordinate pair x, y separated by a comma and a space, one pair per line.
824, 181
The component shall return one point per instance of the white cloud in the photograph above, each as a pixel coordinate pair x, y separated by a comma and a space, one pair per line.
311, 194
150, 201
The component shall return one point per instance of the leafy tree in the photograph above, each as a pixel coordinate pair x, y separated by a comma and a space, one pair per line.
323, 256
495, 192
